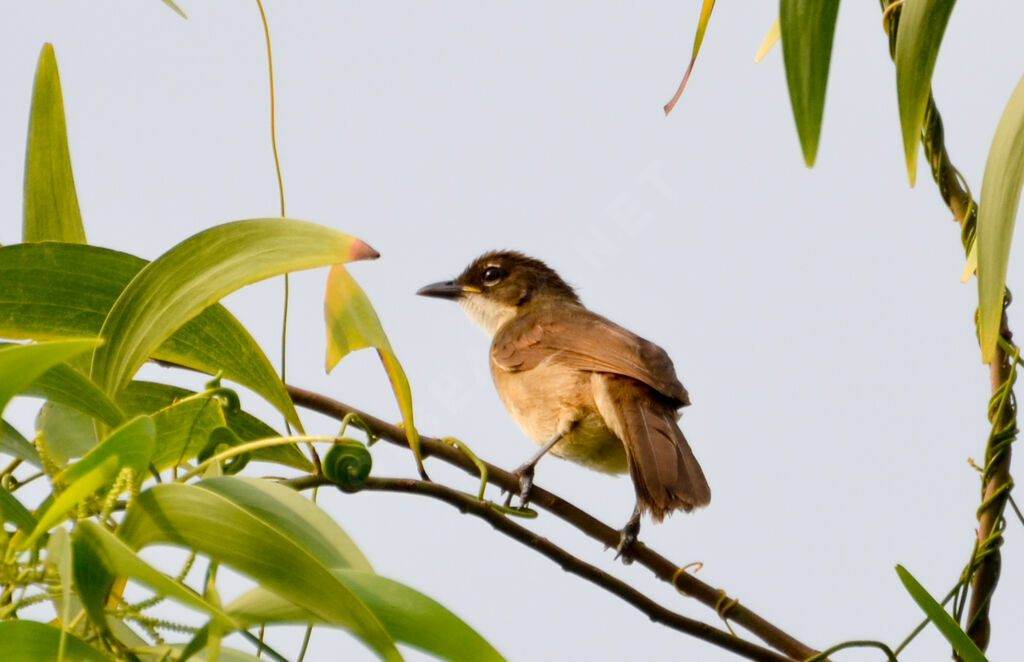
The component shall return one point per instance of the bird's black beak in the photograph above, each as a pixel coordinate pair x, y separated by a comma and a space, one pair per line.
444, 290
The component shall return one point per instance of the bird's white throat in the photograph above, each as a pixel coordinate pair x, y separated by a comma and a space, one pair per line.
490, 315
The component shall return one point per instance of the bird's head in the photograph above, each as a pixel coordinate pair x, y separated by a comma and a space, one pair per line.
498, 286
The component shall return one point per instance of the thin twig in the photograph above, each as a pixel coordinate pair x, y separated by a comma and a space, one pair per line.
606, 535
467, 503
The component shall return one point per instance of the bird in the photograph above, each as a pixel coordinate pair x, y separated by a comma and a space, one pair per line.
579, 385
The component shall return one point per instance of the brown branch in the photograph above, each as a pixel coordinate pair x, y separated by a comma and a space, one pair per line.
469, 504
606, 535
983, 570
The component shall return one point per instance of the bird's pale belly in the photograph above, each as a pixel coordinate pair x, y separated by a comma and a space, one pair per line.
539, 402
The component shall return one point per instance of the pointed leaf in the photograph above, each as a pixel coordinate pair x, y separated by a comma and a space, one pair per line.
14, 444
208, 522
20, 365
176, 8
198, 272
408, 615
66, 290
183, 429
962, 644
1000, 193
352, 324
772, 36
58, 553
51, 204
698, 39
807, 27
105, 551
131, 445
922, 24
143, 397
11, 510
65, 385
29, 641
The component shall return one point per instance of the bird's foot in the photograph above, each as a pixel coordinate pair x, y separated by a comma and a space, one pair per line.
524, 474
627, 539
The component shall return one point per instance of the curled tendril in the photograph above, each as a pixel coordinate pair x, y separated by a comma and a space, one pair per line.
221, 439
348, 463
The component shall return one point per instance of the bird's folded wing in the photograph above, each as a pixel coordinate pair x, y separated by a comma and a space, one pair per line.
586, 341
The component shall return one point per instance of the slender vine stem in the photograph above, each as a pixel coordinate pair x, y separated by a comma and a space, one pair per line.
982, 571
643, 555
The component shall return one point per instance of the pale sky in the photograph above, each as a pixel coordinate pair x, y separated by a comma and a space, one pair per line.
815, 316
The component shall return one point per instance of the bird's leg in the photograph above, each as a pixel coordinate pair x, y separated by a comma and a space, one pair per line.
525, 471
627, 536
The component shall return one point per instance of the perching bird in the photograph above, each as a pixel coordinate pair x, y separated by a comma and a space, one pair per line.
583, 387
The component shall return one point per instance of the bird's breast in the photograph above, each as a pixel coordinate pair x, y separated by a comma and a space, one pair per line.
551, 398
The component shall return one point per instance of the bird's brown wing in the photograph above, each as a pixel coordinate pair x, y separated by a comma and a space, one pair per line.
583, 340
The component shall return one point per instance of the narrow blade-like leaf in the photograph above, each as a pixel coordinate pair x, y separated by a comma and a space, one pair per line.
59, 554
807, 27
14, 444
20, 365
1000, 193
772, 36
962, 644
65, 385
198, 272
698, 39
51, 204
30, 641
352, 324
209, 522
56, 290
409, 616
11, 510
922, 24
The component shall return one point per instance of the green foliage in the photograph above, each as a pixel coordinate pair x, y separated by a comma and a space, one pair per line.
807, 27
130, 464
1000, 194
962, 644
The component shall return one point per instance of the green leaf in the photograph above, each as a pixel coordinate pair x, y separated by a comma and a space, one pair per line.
1000, 193
131, 445
176, 8
183, 428
199, 518
196, 273
143, 397
922, 24
65, 433
103, 553
56, 290
14, 444
58, 553
807, 27
51, 204
20, 365
29, 641
409, 616
962, 644
698, 39
65, 385
11, 510
772, 36
294, 515
226, 654
352, 324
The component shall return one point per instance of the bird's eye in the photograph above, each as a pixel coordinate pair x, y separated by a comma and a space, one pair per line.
492, 275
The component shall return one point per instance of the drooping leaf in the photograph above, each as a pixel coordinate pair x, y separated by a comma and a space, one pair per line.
997, 213
131, 445
183, 428
198, 272
698, 39
922, 24
58, 553
207, 521
65, 385
141, 397
14, 444
105, 557
176, 8
409, 616
20, 365
56, 291
30, 641
352, 324
11, 510
51, 203
772, 36
807, 27
962, 644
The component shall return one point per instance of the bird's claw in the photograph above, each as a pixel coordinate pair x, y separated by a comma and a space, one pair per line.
525, 476
627, 539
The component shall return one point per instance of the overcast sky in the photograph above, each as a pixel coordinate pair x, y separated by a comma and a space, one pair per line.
816, 316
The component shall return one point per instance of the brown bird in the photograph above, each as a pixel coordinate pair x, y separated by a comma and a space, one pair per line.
583, 387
